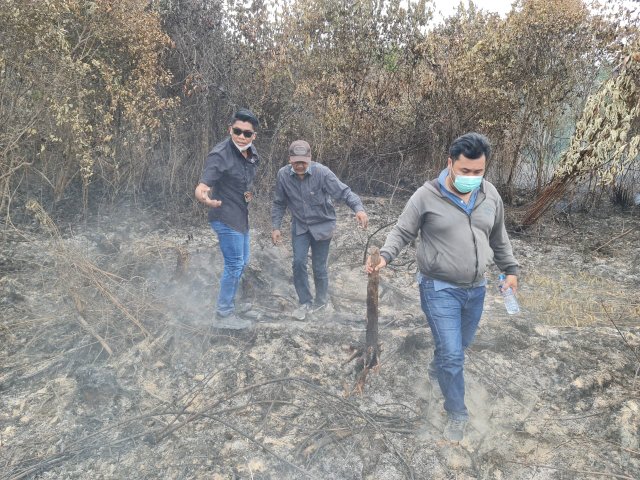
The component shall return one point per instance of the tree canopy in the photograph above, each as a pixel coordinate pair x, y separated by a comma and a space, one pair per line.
130, 95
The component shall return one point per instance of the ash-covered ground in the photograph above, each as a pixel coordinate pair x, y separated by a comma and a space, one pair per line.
109, 367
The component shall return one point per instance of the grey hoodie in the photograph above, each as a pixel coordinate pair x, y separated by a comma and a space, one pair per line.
454, 247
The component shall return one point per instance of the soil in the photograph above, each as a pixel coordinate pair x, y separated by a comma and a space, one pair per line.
110, 367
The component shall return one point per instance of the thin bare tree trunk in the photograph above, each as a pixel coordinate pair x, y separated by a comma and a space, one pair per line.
371, 344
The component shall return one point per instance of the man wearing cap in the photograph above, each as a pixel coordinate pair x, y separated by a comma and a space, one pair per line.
226, 187
306, 189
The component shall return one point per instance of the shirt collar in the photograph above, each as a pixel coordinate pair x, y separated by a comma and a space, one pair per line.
253, 155
308, 172
468, 206
253, 152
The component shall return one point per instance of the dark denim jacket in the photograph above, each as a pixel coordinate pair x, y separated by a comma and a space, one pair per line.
230, 175
309, 200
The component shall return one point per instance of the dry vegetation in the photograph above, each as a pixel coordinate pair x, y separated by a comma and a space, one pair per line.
578, 299
103, 99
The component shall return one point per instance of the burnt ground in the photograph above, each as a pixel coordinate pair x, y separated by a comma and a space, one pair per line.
109, 367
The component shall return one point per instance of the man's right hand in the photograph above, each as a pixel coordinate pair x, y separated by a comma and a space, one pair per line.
276, 237
371, 268
202, 195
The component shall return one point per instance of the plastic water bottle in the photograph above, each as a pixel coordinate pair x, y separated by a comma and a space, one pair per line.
510, 301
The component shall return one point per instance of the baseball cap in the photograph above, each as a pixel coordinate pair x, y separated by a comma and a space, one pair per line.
300, 151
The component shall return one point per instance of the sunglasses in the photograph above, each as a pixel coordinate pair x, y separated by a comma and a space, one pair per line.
246, 133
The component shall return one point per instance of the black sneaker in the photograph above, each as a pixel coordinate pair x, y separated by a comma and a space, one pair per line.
454, 429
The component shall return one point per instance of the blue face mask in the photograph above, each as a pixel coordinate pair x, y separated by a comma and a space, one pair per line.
466, 183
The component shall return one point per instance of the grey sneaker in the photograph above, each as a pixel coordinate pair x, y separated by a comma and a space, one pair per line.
454, 429
302, 311
318, 307
231, 322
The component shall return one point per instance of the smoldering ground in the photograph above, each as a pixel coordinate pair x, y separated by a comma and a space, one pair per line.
109, 367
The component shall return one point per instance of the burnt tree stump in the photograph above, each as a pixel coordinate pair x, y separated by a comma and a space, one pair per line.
372, 349
368, 356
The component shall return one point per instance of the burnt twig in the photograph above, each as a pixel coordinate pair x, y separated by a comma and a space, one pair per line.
366, 247
615, 238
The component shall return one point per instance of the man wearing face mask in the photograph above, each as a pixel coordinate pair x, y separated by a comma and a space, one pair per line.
226, 187
306, 189
459, 218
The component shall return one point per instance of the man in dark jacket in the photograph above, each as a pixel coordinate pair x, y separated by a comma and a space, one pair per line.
459, 217
306, 189
226, 187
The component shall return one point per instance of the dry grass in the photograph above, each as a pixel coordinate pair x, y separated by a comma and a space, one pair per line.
102, 297
579, 299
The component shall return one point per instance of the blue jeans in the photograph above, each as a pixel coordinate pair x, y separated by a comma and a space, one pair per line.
235, 251
453, 315
319, 256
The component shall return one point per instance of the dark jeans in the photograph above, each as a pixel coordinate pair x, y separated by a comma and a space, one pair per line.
453, 315
235, 251
319, 256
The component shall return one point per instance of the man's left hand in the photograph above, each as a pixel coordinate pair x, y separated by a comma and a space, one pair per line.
510, 281
362, 219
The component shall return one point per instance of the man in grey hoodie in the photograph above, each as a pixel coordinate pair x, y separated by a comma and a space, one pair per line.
459, 217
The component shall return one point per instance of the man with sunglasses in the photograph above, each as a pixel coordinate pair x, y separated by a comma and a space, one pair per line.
226, 187
459, 217
306, 189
